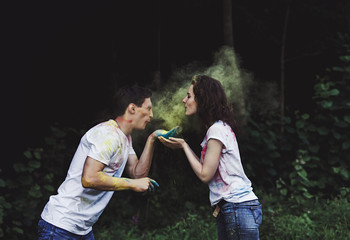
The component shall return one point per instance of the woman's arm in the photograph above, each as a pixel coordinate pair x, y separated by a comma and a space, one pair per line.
205, 171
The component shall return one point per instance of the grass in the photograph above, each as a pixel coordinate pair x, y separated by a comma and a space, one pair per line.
282, 219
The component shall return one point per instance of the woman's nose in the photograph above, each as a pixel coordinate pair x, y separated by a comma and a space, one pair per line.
184, 100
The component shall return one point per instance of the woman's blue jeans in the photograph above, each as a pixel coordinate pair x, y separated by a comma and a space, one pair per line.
239, 221
47, 231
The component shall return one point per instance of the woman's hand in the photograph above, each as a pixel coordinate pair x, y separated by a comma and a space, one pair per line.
173, 143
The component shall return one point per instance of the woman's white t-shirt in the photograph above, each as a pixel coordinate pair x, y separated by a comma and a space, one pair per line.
229, 183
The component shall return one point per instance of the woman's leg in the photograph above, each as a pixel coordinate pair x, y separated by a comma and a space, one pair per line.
249, 218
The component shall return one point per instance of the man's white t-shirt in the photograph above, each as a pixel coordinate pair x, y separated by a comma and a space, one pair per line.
229, 183
76, 208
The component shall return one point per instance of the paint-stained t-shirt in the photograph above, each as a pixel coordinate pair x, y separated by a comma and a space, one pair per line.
76, 208
229, 183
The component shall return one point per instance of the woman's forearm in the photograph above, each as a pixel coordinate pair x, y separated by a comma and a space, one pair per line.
194, 162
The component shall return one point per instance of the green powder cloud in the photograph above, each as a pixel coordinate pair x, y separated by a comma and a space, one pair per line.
168, 108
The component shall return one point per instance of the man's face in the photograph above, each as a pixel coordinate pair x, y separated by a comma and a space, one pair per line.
143, 114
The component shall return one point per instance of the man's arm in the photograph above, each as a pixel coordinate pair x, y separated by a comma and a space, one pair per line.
138, 168
93, 177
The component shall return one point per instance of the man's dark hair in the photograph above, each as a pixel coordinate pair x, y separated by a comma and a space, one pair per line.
126, 95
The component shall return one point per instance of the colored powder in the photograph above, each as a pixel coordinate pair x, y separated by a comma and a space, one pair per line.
168, 106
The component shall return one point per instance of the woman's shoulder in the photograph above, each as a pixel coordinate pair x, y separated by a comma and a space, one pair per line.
219, 126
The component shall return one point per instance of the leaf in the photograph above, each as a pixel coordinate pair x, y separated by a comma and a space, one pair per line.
303, 174
35, 191
344, 173
300, 124
307, 195
28, 154
34, 164
345, 145
333, 92
19, 167
314, 148
284, 192
323, 131
37, 155
2, 183
49, 188
347, 118
305, 116
18, 230
326, 104
337, 69
336, 135
345, 58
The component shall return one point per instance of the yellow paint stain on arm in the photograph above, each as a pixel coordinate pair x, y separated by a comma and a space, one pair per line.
94, 177
103, 182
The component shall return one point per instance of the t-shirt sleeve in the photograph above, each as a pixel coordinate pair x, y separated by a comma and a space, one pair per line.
131, 149
219, 132
102, 144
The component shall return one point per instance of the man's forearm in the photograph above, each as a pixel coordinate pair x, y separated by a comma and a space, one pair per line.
103, 182
143, 166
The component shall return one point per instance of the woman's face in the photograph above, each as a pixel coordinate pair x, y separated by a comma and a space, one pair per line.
190, 103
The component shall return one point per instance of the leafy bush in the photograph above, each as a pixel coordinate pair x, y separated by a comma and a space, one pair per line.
313, 219
32, 181
193, 225
311, 156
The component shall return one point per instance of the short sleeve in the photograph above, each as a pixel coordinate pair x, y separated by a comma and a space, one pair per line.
131, 149
103, 144
219, 132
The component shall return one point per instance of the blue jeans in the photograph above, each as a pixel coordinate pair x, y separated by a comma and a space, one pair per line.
239, 221
47, 231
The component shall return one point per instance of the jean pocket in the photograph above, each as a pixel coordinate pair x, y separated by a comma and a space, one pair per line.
227, 209
43, 229
257, 213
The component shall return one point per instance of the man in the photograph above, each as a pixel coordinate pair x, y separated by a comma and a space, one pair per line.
95, 171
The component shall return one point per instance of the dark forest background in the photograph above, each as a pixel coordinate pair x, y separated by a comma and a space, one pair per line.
62, 62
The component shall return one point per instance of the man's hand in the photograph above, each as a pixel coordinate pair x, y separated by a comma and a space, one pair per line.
167, 134
144, 184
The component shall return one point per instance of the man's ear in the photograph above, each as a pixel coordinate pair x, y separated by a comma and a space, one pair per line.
132, 108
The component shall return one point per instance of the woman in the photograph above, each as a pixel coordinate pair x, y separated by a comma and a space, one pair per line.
238, 210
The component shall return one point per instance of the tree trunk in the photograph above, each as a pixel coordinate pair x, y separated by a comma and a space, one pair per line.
157, 75
283, 48
227, 22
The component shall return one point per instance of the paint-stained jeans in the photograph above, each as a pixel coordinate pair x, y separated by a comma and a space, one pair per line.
47, 231
239, 221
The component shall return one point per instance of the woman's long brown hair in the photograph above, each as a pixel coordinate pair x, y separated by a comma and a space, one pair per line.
212, 102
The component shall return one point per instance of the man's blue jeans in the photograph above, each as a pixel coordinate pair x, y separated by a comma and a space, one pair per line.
239, 220
47, 231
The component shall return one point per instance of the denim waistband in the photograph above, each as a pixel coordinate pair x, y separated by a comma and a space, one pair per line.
246, 203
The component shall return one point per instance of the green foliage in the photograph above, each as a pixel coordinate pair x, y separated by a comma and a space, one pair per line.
283, 218
310, 219
25, 191
305, 165
311, 157
193, 225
